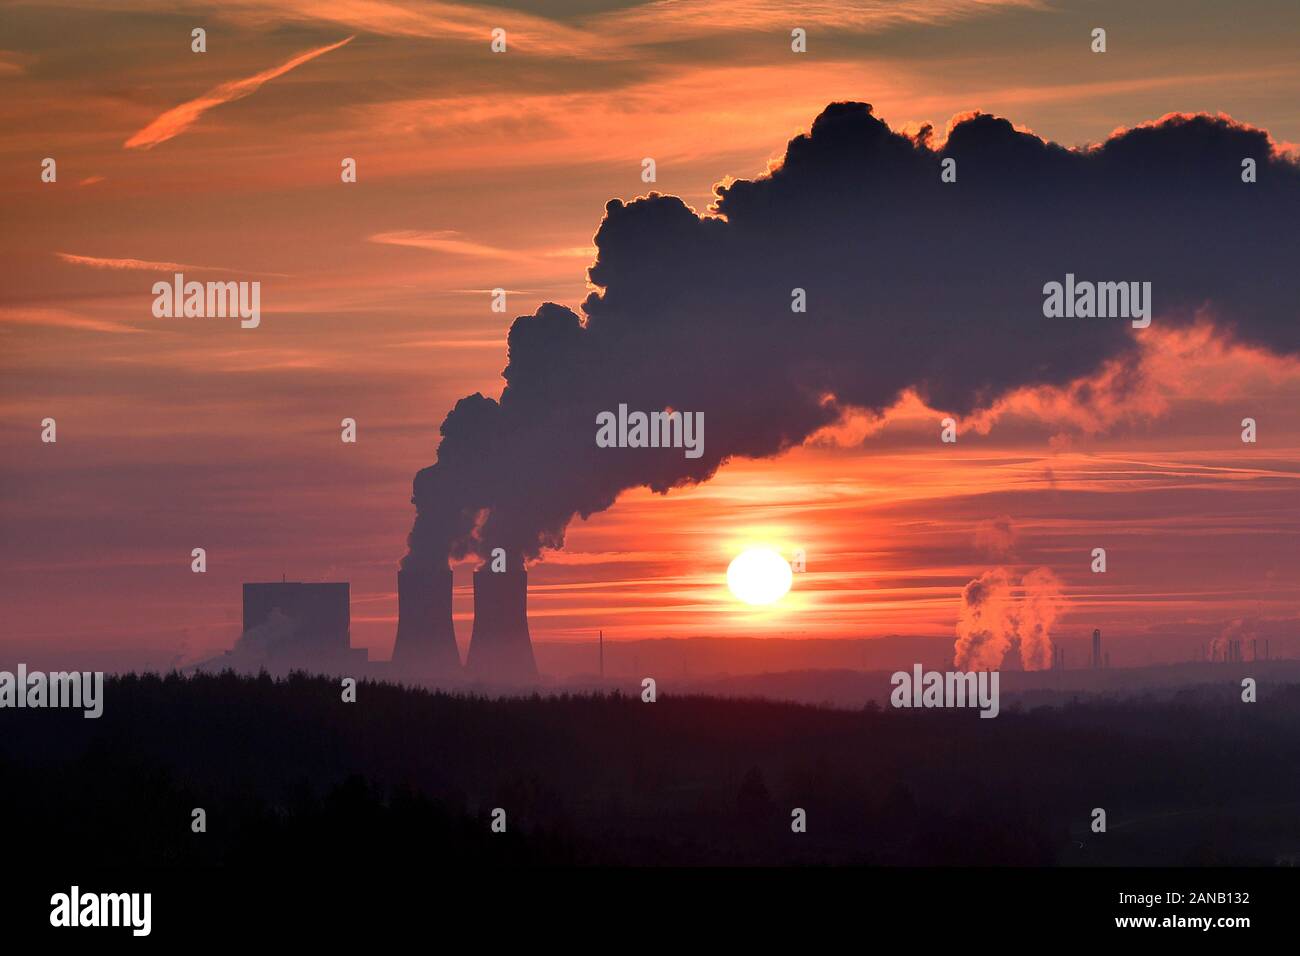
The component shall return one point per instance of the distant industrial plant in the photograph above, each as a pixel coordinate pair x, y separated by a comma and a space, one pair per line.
289, 625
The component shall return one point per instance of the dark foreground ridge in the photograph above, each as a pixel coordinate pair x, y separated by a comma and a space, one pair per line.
289, 773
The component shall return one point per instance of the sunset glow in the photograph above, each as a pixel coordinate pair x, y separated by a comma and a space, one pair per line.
477, 173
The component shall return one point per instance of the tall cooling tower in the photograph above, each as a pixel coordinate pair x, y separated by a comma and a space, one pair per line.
426, 638
500, 648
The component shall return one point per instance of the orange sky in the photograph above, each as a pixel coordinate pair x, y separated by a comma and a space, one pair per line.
481, 170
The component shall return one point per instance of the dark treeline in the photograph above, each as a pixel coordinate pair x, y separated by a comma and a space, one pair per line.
289, 774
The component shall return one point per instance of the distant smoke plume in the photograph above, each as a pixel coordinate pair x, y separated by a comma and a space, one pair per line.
911, 284
994, 620
985, 626
276, 636
1242, 629
1039, 609
996, 537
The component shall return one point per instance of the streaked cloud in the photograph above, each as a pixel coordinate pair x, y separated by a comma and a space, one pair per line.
747, 109
139, 265
443, 240
527, 33
148, 265
669, 20
61, 318
614, 34
449, 342
180, 118
13, 63
451, 242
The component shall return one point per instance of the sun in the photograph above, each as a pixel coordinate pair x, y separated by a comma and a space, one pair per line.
759, 576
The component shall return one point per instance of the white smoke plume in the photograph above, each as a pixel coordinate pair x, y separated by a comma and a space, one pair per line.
276, 635
994, 620
1039, 608
1243, 630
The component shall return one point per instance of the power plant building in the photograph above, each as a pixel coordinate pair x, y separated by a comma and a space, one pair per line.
291, 624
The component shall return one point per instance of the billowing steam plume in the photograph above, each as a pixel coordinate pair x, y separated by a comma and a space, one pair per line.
911, 283
994, 621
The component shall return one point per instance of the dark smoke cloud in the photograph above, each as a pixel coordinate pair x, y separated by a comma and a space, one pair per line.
912, 283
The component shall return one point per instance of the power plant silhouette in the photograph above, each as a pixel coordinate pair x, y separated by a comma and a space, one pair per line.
500, 647
291, 625
426, 639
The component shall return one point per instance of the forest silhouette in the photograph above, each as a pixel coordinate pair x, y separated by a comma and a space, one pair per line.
289, 774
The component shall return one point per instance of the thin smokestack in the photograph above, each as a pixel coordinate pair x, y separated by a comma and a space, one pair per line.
501, 649
426, 637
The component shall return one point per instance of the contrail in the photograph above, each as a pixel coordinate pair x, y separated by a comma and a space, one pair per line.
149, 265
180, 118
143, 265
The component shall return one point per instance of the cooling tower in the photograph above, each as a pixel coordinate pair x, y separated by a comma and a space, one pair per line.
500, 649
426, 639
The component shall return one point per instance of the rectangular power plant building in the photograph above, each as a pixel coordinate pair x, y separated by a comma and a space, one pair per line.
317, 615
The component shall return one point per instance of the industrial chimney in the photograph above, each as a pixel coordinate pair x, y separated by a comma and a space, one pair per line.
500, 649
426, 638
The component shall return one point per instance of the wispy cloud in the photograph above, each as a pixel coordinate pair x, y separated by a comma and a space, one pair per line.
480, 130
13, 63
180, 118
141, 265
61, 318
614, 34
441, 343
672, 20
442, 240
148, 265
529, 34
573, 252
